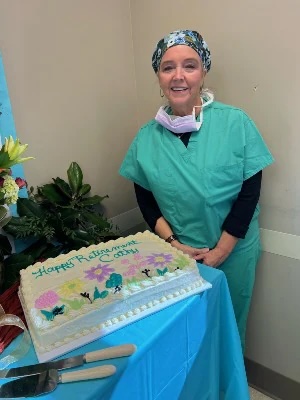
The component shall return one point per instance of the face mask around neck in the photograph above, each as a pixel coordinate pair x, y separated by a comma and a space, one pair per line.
188, 123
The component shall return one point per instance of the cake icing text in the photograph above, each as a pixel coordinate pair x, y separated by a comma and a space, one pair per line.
105, 255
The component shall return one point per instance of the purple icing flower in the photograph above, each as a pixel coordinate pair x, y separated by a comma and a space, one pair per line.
100, 273
47, 299
159, 260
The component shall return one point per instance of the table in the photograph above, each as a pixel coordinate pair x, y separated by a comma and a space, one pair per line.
188, 351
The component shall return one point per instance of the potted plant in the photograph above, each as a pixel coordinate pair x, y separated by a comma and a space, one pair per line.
57, 217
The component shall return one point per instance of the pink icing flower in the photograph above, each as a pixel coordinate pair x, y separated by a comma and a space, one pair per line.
47, 299
134, 267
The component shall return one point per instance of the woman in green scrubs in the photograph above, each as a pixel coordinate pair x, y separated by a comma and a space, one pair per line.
197, 170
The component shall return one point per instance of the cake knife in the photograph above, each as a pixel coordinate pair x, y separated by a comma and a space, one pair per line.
47, 381
76, 361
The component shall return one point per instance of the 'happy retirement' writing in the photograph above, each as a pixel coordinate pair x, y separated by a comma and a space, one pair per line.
105, 255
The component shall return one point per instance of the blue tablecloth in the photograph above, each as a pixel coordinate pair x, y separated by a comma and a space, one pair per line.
188, 351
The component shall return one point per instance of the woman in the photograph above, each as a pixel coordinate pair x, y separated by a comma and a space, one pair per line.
197, 170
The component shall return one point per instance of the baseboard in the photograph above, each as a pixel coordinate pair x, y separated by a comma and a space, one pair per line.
271, 383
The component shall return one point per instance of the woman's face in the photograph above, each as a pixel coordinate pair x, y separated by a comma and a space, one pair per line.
181, 77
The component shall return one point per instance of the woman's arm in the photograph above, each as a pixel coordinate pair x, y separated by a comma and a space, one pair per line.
148, 206
154, 218
241, 213
237, 222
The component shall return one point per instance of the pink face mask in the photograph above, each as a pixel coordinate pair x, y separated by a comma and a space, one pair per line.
179, 125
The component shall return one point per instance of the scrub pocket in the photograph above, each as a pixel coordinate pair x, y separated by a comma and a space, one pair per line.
223, 185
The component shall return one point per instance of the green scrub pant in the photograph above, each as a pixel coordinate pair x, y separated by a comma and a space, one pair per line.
239, 269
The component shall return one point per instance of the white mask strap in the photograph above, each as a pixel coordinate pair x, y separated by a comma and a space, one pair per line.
198, 124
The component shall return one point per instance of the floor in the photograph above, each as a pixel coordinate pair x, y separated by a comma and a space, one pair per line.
255, 395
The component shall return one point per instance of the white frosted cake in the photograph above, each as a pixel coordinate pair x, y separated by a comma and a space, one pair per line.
78, 297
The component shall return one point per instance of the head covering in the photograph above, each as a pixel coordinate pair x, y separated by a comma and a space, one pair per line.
192, 39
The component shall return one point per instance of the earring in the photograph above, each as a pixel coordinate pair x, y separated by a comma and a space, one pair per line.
161, 93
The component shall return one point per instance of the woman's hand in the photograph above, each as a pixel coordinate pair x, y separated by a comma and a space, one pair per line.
196, 254
218, 255
215, 257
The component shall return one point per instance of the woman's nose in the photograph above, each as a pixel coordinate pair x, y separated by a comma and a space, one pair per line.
178, 73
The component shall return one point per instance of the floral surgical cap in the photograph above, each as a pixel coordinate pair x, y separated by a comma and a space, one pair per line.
183, 37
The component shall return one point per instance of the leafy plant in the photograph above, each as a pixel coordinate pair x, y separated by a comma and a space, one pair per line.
58, 217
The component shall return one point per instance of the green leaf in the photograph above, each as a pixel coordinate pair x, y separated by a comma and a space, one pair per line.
93, 200
85, 189
78, 243
114, 280
3, 212
75, 177
100, 295
162, 272
42, 249
4, 158
53, 194
14, 225
29, 208
52, 251
18, 260
63, 186
81, 238
96, 219
36, 249
12, 267
5, 245
4, 221
69, 216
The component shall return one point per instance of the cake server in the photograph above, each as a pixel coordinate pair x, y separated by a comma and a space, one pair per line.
47, 381
104, 354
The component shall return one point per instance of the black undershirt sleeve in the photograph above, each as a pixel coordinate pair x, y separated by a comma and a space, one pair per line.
148, 205
237, 221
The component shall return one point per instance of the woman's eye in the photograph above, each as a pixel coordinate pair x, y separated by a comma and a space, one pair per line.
190, 66
167, 68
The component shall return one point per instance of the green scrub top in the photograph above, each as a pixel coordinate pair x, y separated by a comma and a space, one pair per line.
196, 186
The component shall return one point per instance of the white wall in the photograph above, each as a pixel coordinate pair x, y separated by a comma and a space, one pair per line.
70, 74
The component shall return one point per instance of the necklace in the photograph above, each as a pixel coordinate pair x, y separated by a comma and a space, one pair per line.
179, 136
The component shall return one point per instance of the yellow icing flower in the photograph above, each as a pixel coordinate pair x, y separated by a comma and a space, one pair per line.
71, 287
